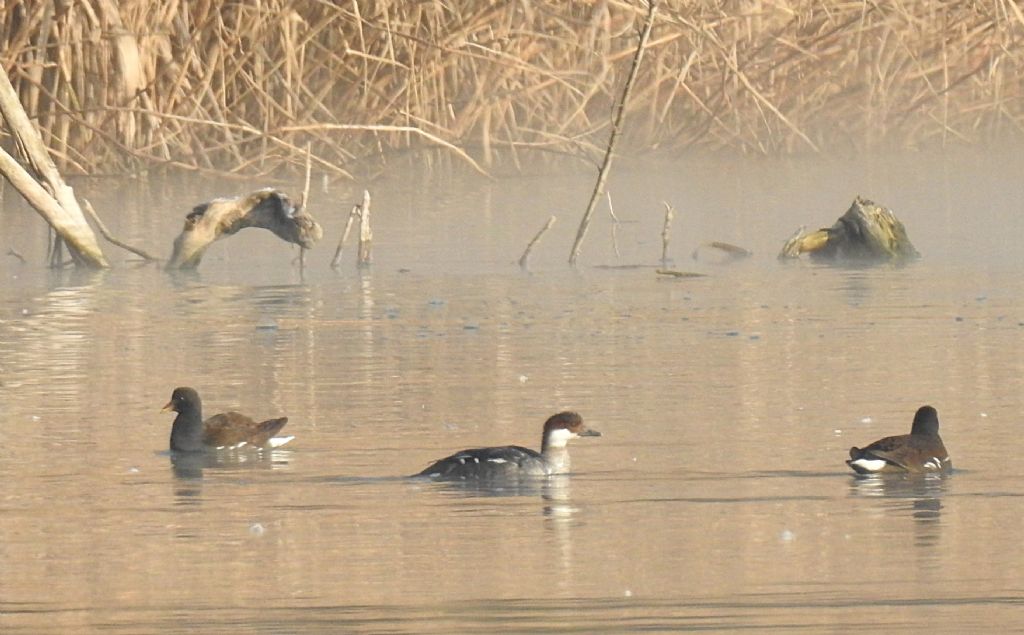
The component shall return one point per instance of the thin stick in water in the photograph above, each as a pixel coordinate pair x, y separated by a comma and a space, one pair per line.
305, 200
666, 233
336, 261
524, 259
309, 168
602, 175
87, 207
615, 226
365, 231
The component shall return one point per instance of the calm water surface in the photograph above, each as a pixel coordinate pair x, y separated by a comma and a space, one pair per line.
717, 498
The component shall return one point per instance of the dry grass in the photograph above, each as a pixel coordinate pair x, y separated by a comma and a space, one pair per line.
243, 87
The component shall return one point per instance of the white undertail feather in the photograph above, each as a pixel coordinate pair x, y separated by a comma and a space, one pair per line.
871, 465
276, 442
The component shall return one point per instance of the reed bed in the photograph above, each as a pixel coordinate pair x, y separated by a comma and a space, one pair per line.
242, 87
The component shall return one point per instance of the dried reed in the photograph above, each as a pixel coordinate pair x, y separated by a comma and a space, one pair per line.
242, 88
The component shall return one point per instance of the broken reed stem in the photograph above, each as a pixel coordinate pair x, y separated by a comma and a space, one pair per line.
87, 207
309, 169
365, 232
666, 233
524, 259
615, 226
304, 200
602, 176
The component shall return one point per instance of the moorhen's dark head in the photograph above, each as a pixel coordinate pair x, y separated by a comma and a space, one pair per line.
926, 421
183, 399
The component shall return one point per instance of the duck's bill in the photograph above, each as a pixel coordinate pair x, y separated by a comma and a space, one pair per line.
589, 432
168, 408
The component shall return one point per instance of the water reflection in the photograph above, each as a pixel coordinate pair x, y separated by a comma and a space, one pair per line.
920, 495
557, 512
191, 465
553, 489
370, 364
900, 486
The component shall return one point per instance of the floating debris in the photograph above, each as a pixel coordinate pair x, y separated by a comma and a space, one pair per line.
720, 252
680, 274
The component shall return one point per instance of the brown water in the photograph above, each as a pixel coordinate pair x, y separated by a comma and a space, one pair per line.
717, 498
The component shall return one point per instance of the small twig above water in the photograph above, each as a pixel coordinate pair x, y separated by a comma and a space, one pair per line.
352, 215
524, 259
304, 201
87, 207
365, 231
615, 226
666, 233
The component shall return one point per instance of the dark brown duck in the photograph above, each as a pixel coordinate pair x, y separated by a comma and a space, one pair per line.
920, 451
224, 431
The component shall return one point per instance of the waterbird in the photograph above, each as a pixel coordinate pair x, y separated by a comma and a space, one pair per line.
920, 451
224, 431
513, 461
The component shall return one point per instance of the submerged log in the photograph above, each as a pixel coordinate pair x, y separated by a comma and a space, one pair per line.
866, 233
268, 208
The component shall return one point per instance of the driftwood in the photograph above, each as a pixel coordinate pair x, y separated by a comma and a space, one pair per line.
268, 208
865, 233
56, 202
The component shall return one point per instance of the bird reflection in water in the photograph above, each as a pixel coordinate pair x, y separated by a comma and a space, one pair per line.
542, 486
558, 512
919, 494
189, 467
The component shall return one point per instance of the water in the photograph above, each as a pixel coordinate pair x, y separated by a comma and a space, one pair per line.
717, 498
